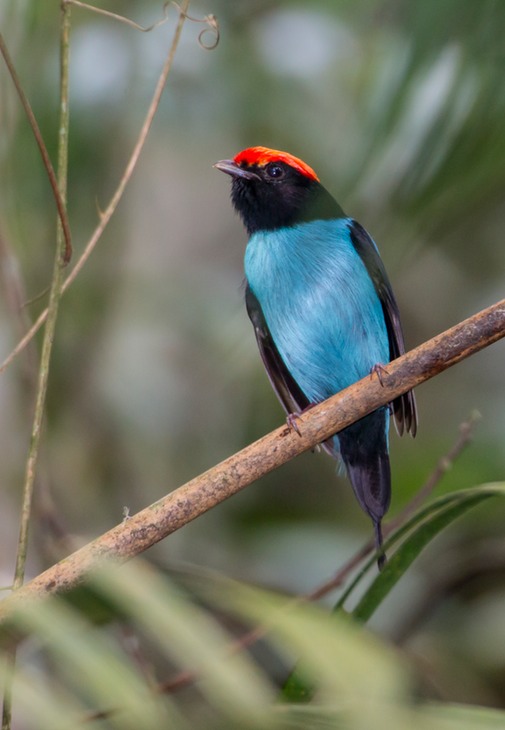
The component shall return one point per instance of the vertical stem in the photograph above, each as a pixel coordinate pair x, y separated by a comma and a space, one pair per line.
47, 344
54, 299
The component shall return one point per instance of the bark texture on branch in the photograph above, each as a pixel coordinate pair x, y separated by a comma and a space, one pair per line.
183, 505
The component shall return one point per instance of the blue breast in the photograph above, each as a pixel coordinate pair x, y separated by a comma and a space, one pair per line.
319, 303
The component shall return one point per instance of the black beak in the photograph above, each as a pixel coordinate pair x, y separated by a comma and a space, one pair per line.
231, 168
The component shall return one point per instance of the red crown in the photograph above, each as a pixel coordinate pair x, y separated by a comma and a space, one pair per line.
261, 156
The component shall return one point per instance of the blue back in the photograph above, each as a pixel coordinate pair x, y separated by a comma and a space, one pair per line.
319, 303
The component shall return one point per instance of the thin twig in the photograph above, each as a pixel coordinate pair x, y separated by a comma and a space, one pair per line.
28, 302
60, 204
24, 341
209, 20
465, 435
152, 524
13, 287
467, 569
62, 253
106, 215
122, 18
54, 298
14, 290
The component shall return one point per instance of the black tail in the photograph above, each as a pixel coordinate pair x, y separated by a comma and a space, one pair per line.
364, 451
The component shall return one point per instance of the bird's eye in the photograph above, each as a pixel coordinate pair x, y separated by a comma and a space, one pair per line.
274, 170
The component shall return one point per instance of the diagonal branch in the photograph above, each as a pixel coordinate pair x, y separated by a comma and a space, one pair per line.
176, 509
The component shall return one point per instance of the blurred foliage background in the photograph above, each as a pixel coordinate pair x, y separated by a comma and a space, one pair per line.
400, 107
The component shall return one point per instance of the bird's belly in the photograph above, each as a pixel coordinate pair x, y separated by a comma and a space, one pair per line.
327, 350
320, 306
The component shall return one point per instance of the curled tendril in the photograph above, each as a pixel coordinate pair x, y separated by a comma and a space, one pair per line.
212, 27
210, 21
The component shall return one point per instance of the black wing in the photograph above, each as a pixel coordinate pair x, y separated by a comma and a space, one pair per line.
404, 407
288, 391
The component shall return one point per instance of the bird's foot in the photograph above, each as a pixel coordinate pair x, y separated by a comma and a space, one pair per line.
379, 370
292, 418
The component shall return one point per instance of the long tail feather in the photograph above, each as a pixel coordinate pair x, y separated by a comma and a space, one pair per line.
364, 451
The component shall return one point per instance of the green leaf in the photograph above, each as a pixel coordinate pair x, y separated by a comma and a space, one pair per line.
413, 537
426, 524
462, 717
337, 656
90, 665
190, 636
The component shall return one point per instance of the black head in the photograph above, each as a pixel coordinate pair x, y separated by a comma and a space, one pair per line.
273, 189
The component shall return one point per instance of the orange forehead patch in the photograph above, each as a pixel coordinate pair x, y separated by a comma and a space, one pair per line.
261, 156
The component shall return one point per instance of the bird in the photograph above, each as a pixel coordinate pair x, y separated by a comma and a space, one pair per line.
323, 310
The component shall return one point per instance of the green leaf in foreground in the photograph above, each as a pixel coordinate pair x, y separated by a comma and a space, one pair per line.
412, 538
420, 530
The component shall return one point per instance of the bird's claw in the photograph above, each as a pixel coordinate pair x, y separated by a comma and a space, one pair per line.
291, 422
292, 418
379, 370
